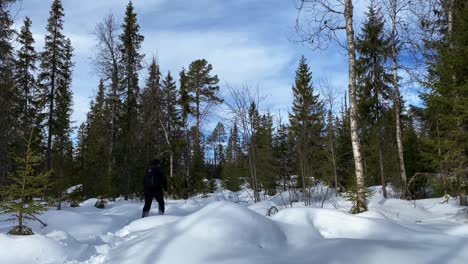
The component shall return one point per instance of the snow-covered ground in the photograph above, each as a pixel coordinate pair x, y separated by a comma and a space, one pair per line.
211, 230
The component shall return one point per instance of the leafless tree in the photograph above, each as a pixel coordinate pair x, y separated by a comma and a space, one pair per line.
329, 95
395, 10
105, 62
241, 98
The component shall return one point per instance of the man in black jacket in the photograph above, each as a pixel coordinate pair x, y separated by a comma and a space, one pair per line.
154, 183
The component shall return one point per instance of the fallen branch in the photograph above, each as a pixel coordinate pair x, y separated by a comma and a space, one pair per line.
37, 219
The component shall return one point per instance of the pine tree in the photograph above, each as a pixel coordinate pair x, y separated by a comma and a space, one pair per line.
201, 93
130, 61
307, 125
373, 92
26, 183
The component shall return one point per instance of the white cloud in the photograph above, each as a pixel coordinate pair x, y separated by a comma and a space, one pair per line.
235, 56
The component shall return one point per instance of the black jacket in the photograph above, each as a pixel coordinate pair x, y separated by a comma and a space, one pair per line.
155, 178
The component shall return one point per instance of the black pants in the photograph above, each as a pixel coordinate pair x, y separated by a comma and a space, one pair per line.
154, 193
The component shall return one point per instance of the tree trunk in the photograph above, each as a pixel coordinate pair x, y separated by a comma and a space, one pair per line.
50, 120
382, 175
397, 99
361, 205
332, 148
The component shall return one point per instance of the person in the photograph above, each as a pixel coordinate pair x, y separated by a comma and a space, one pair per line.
155, 183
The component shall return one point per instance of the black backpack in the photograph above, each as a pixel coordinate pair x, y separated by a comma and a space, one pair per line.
153, 177
150, 180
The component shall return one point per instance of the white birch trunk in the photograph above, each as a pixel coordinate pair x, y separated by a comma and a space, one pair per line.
361, 199
397, 101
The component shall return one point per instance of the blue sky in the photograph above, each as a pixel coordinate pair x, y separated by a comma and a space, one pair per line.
246, 41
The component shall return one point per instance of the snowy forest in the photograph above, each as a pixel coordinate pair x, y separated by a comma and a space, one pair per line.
362, 165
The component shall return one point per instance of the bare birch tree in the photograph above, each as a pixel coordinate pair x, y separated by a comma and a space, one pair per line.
106, 64
327, 92
239, 103
319, 23
394, 8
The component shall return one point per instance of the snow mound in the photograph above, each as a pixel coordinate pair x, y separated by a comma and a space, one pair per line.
146, 223
82, 227
218, 231
54, 247
233, 221
337, 224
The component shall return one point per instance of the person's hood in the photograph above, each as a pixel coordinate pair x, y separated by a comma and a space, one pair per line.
155, 162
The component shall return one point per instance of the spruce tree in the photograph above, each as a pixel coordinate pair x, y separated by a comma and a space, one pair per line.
216, 141
264, 150
54, 82
51, 64
7, 94
152, 113
62, 148
374, 82
307, 125
283, 154
130, 61
344, 151
26, 185
172, 127
92, 141
445, 102
25, 83
234, 162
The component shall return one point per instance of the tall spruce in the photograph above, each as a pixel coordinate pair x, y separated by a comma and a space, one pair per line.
25, 83
445, 101
307, 124
264, 150
54, 81
344, 151
51, 64
283, 154
93, 146
131, 59
172, 122
234, 167
373, 91
152, 112
62, 146
7, 98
